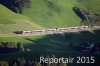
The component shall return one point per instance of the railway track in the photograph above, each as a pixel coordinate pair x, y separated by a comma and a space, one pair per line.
52, 31
59, 30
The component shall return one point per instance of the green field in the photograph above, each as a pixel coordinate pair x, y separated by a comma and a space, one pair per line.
92, 5
10, 21
59, 14
52, 44
43, 15
56, 44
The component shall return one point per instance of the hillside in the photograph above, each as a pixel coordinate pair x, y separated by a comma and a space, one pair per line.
45, 13
62, 45
52, 13
10, 21
92, 5
58, 13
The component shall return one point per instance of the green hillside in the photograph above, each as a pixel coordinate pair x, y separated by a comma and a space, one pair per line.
53, 13
46, 14
93, 5
58, 13
57, 44
10, 21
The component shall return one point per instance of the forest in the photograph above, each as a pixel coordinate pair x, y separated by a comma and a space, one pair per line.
26, 62
17, 6
87, 17
6, 47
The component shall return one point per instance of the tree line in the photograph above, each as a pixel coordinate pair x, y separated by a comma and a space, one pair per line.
24, 62
17, 45
87, 16
17, 6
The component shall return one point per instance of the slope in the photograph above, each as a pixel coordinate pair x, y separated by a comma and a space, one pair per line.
93, 5
58, 13
52, 13
10, 21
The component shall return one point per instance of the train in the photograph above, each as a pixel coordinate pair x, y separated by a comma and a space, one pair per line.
56, 30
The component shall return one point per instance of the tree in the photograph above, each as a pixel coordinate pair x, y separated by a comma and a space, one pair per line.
20, 46
21, 62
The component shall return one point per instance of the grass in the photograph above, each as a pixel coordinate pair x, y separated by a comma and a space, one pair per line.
92, 5
10, 21
44, 14
58, 14
52, 44
56, 44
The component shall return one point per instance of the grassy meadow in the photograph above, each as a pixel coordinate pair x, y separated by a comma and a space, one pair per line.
10, 21
57, 43
44, 14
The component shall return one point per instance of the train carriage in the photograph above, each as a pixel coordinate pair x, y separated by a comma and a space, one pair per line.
62, 29
26, 32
